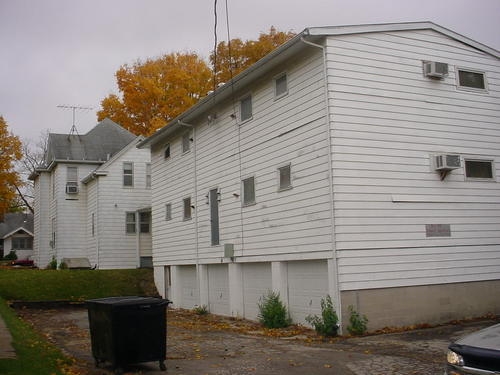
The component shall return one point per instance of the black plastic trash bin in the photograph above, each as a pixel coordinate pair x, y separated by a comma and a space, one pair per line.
126, 330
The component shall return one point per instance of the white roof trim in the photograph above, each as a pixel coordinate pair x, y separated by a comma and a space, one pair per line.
17, 230
387, 27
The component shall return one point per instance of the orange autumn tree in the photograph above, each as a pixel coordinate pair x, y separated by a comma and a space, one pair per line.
156, 91
240, 55
10, 152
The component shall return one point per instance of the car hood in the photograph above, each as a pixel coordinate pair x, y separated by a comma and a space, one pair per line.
487, 338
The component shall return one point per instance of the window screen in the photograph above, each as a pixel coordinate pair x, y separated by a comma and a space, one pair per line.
478, 169
470, 79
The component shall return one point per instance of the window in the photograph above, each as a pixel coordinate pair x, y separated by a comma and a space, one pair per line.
22, 243
285, 177
130, 222
479, 169
187, 208
280, 86
166, 153
145, 221
71, 180
246, 108
471, 79
128, 174
168, 211
148, 175
186, 142
248, 191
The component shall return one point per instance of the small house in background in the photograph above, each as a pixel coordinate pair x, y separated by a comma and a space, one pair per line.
16, 235
360, 162
92, 200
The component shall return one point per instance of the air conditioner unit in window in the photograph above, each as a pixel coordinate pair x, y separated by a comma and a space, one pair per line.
447, 162
435, 69
71, 189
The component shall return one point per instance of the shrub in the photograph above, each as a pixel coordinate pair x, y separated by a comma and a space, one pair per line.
272, 312
327, 324
201, 310
52, 264
63, 266
11, 256
357, 323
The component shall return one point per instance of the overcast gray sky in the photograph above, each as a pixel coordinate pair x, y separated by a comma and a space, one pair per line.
66, 52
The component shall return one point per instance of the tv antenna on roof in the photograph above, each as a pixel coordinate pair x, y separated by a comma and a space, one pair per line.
74, 108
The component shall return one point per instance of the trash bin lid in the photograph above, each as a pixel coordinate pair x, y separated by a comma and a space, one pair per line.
127, 301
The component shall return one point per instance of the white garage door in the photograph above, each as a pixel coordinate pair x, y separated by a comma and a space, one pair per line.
257, 281
189, 287
218, 289
307, 285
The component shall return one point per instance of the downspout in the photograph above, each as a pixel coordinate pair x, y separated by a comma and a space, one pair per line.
96, 223
137, 238
337, 296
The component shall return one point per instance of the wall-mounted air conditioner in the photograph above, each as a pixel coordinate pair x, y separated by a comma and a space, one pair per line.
447, 162
433, 69
71, 189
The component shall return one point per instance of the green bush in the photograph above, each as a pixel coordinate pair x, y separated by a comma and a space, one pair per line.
52, 264
272, 312
327, 324
63, 266
11, 256
357, 323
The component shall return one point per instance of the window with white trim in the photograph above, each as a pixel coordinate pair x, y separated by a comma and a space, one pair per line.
479, 169
280, 86
71, 179
168, 211
187, 208
130, 222
186, 142
128, 174
148, 175
248, 191
285, 177
145, 221
471, 79
246, 108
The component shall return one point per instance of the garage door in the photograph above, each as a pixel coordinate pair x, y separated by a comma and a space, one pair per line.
256, 283
307, 285
218, 289
189, 287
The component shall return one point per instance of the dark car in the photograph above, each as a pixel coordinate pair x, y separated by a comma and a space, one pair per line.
476, 354
23, 263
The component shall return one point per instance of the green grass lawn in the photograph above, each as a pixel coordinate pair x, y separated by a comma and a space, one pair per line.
34, 354
74, 285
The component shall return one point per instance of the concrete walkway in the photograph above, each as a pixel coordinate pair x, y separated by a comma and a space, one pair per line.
6, 349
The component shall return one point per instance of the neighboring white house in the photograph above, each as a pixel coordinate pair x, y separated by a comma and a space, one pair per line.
361, 162
93, 199
16, 234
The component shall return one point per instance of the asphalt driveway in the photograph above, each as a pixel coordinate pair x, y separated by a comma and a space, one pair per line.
220, 346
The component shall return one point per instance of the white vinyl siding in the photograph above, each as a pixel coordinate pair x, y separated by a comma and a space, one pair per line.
386, 121
291, 130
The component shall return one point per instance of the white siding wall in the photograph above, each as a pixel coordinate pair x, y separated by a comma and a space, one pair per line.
70, 213
116, 248
282, 225
387, 119
41, 236
92, 238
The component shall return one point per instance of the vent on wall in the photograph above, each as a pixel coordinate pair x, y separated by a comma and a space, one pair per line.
433, 69
71, 189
